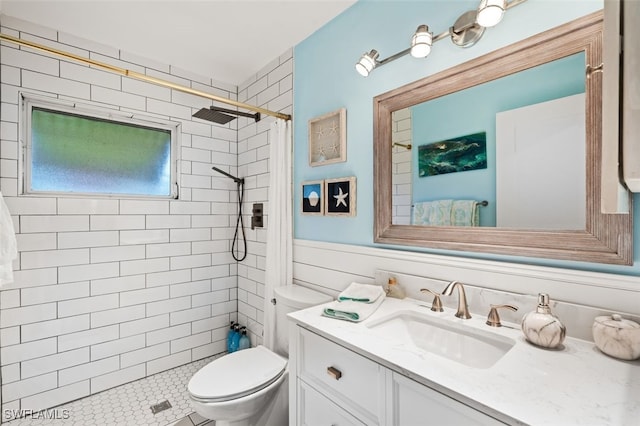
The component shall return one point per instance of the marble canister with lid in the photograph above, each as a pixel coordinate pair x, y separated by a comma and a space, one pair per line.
617, 337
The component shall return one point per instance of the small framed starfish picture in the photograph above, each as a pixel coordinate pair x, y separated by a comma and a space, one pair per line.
340, 195
328, 138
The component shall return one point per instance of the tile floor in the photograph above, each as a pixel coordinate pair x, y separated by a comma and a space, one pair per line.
129, 404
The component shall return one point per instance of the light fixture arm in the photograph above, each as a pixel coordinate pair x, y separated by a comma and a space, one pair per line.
393, 57
464, 33
514, 3
442, 35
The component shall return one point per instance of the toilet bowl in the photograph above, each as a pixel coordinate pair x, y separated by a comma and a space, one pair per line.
250, 387
235, 389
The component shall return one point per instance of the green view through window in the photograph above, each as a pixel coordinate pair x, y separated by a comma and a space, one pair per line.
81, 154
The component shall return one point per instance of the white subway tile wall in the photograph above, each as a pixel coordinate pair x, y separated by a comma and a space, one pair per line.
270, 88
401, 167
108, 291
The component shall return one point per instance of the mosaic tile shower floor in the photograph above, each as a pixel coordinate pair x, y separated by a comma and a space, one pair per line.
129, 404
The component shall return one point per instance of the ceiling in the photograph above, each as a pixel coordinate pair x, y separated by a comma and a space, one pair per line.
227, 40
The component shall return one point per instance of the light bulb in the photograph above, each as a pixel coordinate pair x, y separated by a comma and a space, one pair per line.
367, 63
490, 12
421, 42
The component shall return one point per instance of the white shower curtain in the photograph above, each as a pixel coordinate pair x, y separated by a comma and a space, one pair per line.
279, 260
8, 246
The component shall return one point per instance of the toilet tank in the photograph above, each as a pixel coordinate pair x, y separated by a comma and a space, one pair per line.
291, 298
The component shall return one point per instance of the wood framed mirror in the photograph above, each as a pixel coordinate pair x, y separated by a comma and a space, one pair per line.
591, 236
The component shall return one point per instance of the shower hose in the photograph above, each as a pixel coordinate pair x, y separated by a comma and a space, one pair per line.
240, 227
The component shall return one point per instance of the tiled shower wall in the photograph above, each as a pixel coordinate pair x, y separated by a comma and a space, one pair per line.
110, 290
401, 167
271, 88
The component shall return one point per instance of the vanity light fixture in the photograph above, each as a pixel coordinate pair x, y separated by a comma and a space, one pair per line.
490, 12
465, 32
368, 61
421, 42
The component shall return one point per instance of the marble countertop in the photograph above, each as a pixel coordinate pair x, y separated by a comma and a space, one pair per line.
574, 385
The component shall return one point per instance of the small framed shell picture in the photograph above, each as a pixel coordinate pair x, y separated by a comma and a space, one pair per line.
312, 197
328, 138
340, 195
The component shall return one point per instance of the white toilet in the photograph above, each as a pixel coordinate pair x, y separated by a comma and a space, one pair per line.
249, 387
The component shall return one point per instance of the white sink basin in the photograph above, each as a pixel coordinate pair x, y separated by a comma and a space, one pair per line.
456, 342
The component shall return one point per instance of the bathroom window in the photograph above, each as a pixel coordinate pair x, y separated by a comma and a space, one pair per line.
75, 151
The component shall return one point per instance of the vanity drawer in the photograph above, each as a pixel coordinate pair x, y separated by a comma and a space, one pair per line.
317, 410
350, 377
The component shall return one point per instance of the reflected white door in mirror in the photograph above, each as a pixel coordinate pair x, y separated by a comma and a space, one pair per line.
540, 166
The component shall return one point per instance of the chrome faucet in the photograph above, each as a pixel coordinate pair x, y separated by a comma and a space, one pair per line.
463, 309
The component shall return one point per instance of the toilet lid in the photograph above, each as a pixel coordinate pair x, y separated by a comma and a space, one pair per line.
236, 375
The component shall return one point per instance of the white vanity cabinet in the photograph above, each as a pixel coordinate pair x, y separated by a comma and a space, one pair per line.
316, 409
411, 403
349, 380
335, 386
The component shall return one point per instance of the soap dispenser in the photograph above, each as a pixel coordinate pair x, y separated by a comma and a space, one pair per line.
394, 289
232, 331
235, 339
541, 327
244, 342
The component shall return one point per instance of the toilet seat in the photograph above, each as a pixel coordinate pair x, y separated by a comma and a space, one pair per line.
236, 375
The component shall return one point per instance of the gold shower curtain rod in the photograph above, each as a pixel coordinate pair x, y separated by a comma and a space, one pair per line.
133, 74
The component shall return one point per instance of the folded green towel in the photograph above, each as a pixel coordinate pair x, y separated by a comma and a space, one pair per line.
349, 316
364, 293
350, 310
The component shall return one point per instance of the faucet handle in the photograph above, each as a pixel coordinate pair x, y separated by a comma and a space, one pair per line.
436, 306
493, 319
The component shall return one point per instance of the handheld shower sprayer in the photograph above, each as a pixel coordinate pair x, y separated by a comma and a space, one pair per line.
239, 222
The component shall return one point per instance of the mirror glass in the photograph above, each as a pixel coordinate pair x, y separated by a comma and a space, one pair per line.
509, 153
502, 154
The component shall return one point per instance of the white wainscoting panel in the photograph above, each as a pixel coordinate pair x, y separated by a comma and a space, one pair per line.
331, 267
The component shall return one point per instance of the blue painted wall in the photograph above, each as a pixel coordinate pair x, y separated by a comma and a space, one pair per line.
325, 80
474, 110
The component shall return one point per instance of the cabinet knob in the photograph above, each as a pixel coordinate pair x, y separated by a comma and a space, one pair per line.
334, 372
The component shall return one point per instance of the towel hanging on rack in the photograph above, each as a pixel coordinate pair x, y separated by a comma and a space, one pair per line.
447, 213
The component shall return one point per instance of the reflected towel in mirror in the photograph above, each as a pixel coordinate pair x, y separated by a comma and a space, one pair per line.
446, 213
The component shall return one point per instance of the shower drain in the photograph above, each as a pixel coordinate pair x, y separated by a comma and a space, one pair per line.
160, 406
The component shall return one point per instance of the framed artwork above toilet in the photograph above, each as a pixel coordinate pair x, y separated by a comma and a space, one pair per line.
313, 198
340, 195
328, 138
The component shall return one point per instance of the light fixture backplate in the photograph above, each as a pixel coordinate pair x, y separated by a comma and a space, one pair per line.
465, 32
